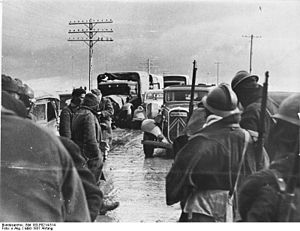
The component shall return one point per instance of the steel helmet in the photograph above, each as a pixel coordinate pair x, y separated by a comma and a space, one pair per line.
221, 101
9, 84
289, 110
28, 91
20, 85
240, 76
148, 125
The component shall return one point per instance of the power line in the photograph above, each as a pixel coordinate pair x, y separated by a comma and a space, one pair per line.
149, 64
218, 64
89, 36
251, 47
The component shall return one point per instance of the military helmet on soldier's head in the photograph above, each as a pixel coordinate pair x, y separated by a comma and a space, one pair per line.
77, 92
21, 89
289, 110
9, 84
221, 101
240, 77
28, 91
96, 92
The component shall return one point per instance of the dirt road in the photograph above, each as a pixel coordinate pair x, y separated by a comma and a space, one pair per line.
137, 183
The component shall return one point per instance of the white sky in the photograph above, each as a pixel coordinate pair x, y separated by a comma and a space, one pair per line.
172, 33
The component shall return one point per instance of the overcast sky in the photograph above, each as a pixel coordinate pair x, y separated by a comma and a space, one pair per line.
171, 33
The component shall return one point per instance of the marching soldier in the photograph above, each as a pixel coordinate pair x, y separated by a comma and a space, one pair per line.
249, 94
67, 113
206, 168
105, 112
273, 195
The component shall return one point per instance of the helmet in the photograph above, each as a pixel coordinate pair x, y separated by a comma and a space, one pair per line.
221, 101
90, 100
96, 92
28, 91
21, 89
77, 92
148, 125
240, 76
9, 84
289, 110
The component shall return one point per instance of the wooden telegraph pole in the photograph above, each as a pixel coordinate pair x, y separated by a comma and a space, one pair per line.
251, 47
90, 39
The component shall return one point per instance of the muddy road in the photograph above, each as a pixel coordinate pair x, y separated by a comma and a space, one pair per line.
137, 183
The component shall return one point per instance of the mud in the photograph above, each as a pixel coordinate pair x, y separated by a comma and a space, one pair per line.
137, 183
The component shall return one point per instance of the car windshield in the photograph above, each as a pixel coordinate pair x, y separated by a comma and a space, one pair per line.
184, 95
39, 110
154, 96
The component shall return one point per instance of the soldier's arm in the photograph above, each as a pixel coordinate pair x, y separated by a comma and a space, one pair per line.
250, 118
90, 141
65, 124
108, 109
193, 159
73, 195
93, 194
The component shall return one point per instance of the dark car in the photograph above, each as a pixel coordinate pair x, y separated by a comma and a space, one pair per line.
171, 122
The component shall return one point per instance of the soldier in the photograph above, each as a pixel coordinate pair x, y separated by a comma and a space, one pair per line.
28, 98
93, 193
86, 133
263, 195
14, 88
10, 86
249, 94
10, 96
105, 112
38, 180
67, 112
206, 168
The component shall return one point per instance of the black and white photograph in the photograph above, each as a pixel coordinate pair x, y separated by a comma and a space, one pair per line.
149, 111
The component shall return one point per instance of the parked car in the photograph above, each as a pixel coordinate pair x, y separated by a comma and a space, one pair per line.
152, 102
161, 131
46, 111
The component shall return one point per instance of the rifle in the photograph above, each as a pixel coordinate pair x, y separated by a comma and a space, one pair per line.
261, 128
191, 106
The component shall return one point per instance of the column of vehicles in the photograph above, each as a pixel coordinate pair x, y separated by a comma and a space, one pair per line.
159, 105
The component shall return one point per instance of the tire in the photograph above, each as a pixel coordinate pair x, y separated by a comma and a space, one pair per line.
148, 149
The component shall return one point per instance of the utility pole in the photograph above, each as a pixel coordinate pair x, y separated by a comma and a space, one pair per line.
149, 65
218, 63
89, 39
251, 47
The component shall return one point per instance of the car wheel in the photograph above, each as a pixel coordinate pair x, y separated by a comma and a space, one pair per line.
148, 149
